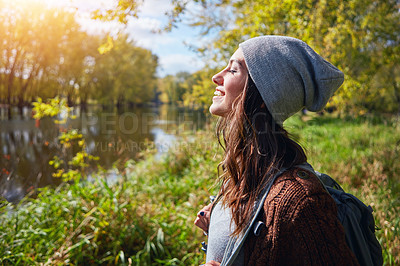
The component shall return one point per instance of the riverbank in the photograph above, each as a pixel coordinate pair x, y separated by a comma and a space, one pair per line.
27, 145
146, 217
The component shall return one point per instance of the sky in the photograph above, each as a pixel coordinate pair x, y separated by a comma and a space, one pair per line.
173, 54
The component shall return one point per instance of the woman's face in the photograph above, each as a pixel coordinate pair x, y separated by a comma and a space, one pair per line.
230, 83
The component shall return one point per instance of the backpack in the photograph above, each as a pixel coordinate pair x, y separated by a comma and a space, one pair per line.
355, 216
358, 223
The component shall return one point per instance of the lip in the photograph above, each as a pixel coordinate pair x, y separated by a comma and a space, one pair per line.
220, 90
217, 98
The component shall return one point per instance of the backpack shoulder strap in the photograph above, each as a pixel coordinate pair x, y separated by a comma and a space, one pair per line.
235, 244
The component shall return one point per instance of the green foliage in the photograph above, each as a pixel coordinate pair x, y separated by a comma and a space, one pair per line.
143, 219
72, 160
56, 162
173, 88
44, 52
125, 73
360, 37
120, 13
201, 92
363, 154
193, 90
75, 75
53, 107
76, 225
146, 217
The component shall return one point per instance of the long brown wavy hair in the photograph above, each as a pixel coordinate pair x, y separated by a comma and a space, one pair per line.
256, 147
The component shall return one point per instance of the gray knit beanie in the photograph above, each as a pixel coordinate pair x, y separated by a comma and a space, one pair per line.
290, 75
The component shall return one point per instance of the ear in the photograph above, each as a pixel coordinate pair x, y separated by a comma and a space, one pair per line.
263, 105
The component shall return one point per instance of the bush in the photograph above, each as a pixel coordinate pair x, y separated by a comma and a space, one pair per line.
146, 217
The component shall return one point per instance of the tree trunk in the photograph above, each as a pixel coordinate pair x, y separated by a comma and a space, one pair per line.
24, 86
20, 104
120, 102
10, 82
84, 104
9, 112
131, 104
70, 102
396, 89
397, 95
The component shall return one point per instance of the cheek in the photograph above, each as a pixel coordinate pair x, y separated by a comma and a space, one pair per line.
237, 89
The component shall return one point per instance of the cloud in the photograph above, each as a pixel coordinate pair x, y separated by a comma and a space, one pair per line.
174, 63
91, 5
97, 26
155, 8
142, 31
173, 55
83, 6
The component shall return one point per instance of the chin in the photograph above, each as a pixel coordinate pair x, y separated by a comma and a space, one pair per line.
212, 111
215, 110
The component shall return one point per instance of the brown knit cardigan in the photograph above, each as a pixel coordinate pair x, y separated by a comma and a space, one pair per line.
301, 226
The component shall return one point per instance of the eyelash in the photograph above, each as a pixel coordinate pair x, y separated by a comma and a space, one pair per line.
232, 71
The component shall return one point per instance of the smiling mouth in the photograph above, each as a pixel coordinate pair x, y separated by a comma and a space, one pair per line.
218, 93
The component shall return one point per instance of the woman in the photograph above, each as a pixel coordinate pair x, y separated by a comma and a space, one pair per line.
267, 80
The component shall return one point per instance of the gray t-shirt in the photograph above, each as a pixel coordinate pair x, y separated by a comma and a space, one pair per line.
218, 235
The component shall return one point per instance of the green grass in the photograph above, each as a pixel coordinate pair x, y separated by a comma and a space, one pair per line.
363, 154
146, 218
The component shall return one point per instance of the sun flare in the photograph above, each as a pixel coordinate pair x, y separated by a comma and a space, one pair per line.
49, 3
87, 5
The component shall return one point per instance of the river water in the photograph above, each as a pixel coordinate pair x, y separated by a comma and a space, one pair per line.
26, 145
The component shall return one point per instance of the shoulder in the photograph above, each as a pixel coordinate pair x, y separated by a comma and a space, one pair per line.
298, 180
295, 191
300, 218
296, 183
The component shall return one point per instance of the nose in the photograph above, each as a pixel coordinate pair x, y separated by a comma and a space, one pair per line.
218, 79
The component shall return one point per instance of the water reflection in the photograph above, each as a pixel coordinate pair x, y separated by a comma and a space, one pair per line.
27, 146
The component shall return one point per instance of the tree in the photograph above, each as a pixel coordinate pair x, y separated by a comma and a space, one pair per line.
173, 87
120, 12
199, 93
361, 37
44, 52
75, 71
36, 42
126, 72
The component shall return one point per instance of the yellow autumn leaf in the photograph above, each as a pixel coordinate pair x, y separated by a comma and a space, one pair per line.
106, 47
